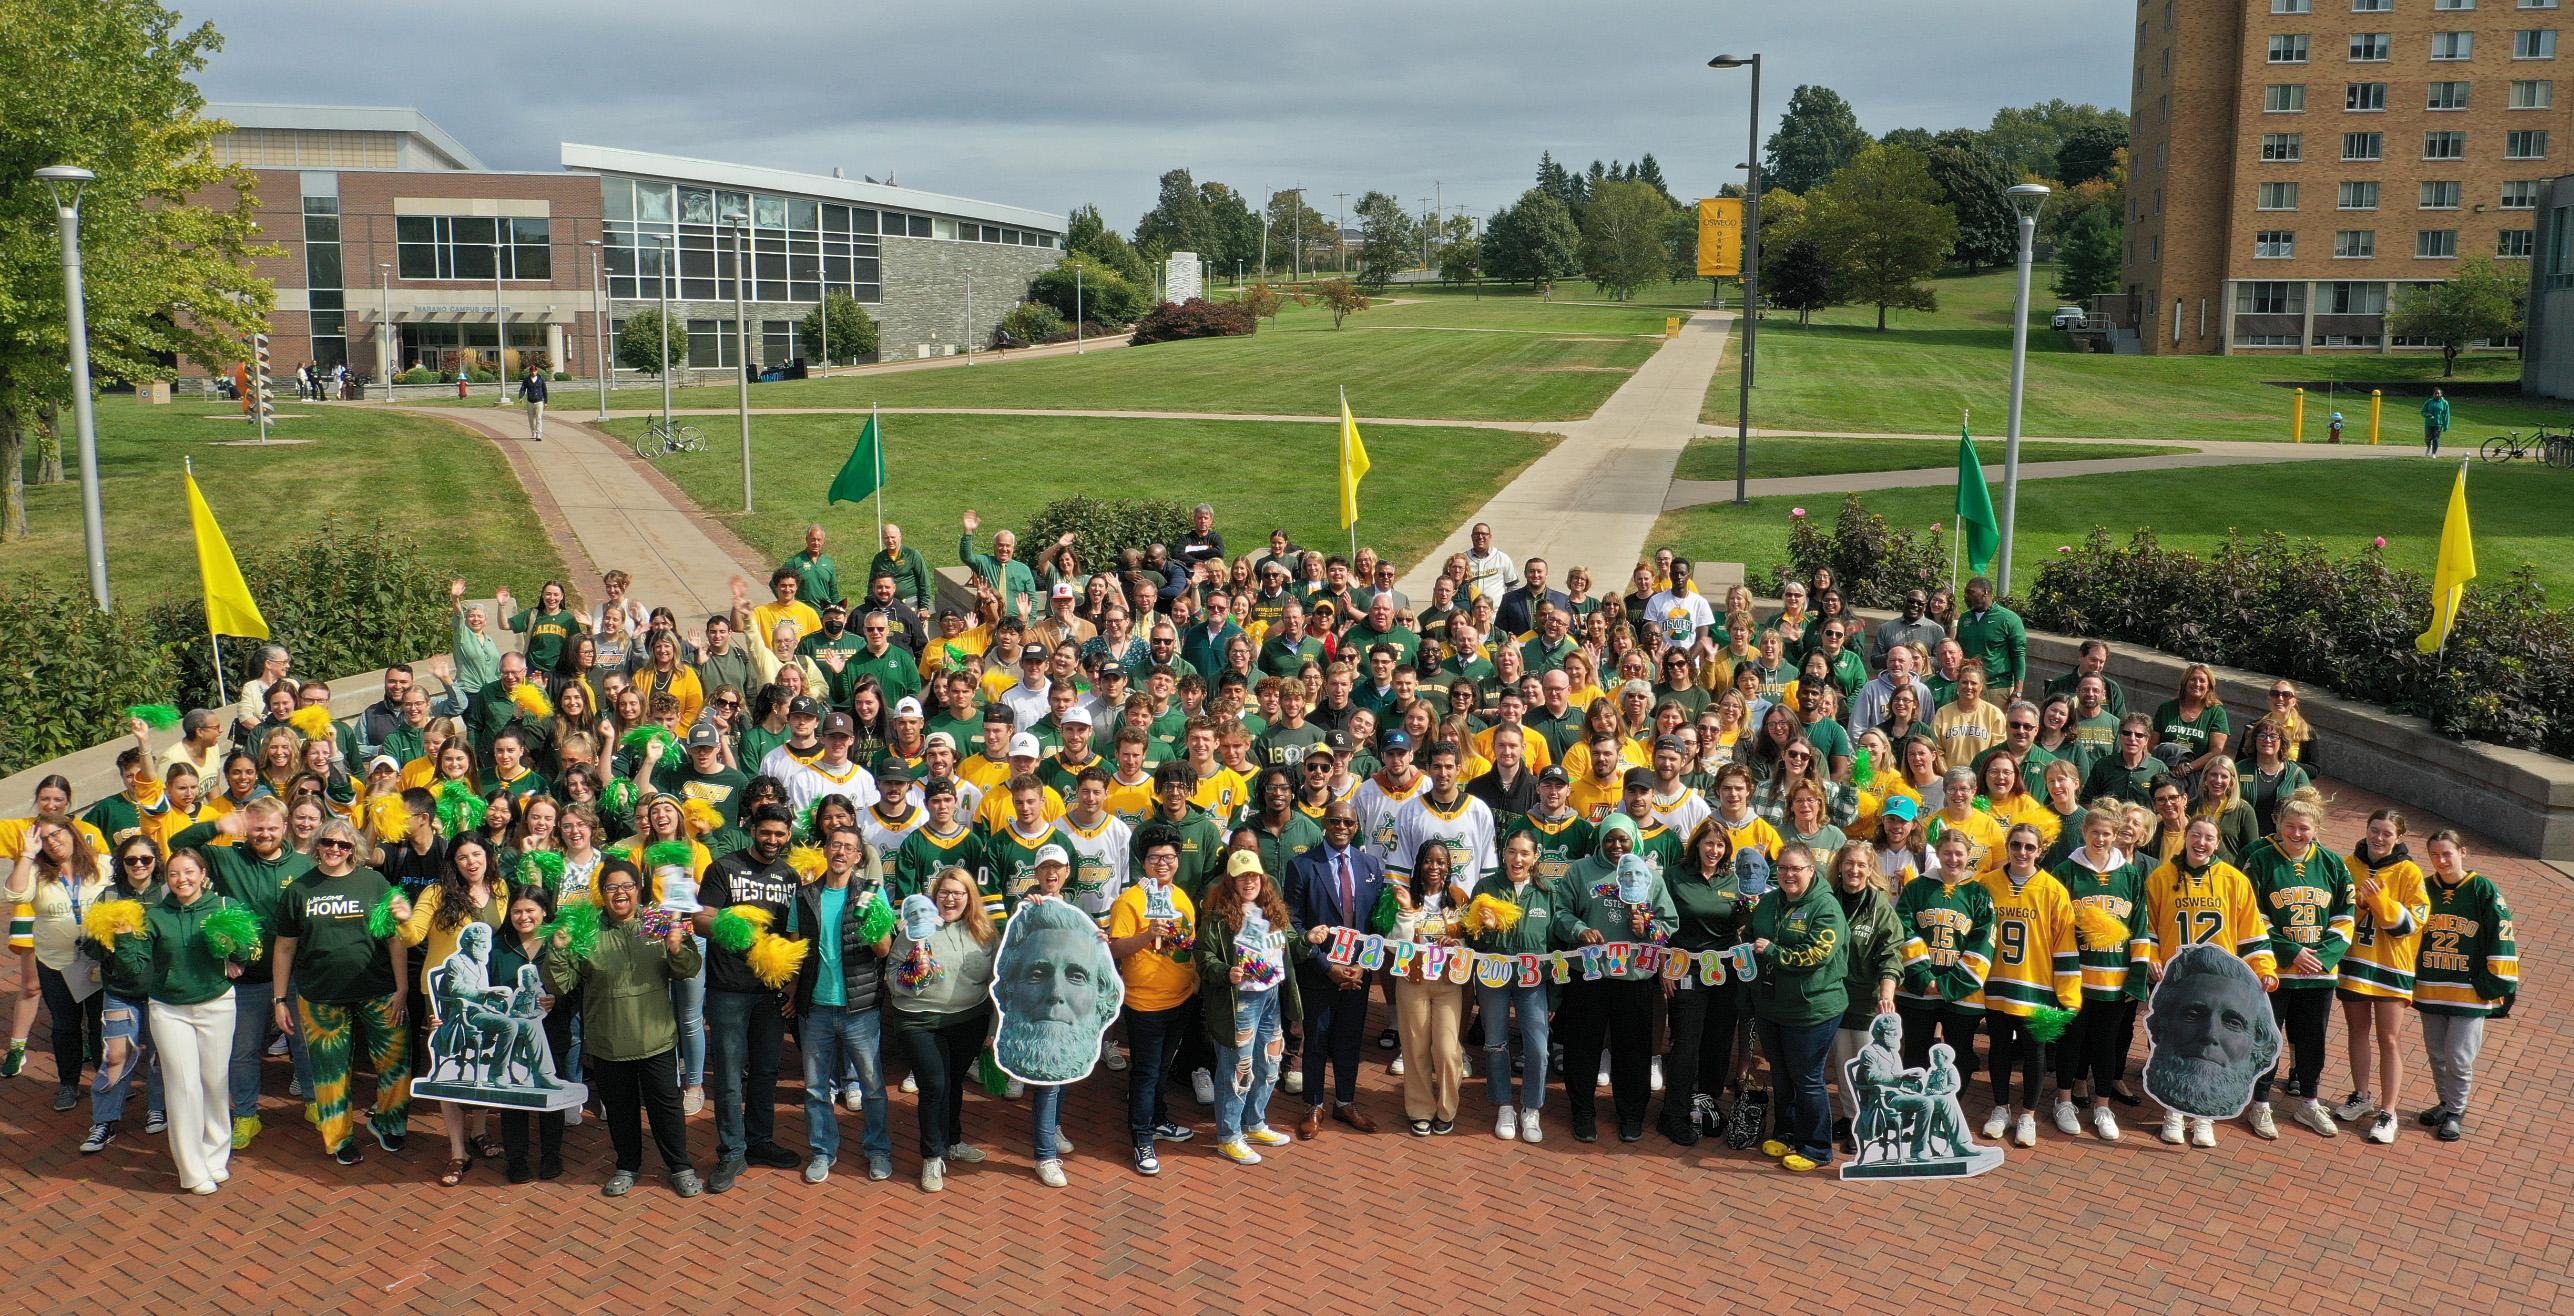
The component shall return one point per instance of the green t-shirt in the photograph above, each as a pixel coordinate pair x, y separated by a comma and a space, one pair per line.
337, 961
1360, 639
2193, 733
1285, 746
966, 731
1280, 658
549, 637
721, 788
2089, 740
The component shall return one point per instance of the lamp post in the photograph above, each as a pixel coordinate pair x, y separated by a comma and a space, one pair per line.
1076, 310
740, 221
822, 307
384, 326
1751, 279
969, 317
61, 180
2027, 200
661, 284
500, 320
599, 317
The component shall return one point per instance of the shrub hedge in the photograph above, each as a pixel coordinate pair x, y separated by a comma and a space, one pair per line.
1102, 526
1194, 318
1872, 562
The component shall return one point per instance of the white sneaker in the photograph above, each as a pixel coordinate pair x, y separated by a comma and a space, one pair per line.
1112, 1056
692, 1101
2354, 1106
1997, 1123
1051, 1174
910, 1084
2105, 1125
2382, 1129
1657, 1074
2263, 1126
933, 1175
1529, 1131
1015, 1090
572, 1117
1506, 1124
1202, 1084
2024, 1129
2313, 1115
2176, 1127
1063, 1145
1395, 1066
1604, 1075
1466, 1068
854, 1098
1294, 1081
966, 1152
2068, 1119
2203, 1133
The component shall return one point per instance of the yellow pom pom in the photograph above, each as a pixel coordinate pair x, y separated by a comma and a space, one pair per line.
110, 919
388, 817
1491, 913
531, 700
313, 721
2098, 929
700, 817
774, 960
757, 916
806, 860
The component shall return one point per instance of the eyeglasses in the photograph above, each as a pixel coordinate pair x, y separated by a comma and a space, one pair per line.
2018, 846
2024, 726
332, 845
138, 861
614, 887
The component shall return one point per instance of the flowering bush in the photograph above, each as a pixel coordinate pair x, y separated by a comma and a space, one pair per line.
1872, 562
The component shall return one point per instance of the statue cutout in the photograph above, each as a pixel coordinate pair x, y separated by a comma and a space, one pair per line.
1056, 989
2208, 1034
1909, 1124
488, 1048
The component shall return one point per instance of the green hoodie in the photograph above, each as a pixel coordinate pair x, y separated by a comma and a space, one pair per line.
169, 956
625, 989
1586, 899
243, 876
1534, 934
1805, 971
1876, 953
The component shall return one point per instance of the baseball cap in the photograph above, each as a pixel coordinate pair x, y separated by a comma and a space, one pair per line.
1052, 854
1243, 861
804, 706
1025, 746
938, 786
890, 768
1554, 775
1902, 806
997, 713
382, 761
907, 707
839, 724
1398, 740
1063, 590
1675, 744
940, 738
1034, 653
1112, 671
1337, 740
705, 736
1076, 716
1638, 779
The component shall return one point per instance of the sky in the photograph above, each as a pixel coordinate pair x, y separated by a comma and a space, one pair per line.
1053, 105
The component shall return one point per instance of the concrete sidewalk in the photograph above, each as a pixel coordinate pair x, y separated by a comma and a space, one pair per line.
1103, 413
1592, 499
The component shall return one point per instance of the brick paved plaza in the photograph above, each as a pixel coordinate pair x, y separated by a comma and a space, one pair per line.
1362, 1223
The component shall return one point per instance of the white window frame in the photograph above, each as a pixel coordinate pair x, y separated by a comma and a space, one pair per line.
2274, 244
2380, 48
2528, 190
2528, 244
2457, 46
2290, 48
2355, 244
2344, 196
2444, 137
2534, 43
2465, 92
2283, 148
2375, 140
2284, 98
2364, 97
2518, 144
2533, 94
2424, 240
2451, 196
2269, 196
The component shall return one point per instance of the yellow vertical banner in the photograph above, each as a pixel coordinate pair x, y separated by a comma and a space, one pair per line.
1720, 237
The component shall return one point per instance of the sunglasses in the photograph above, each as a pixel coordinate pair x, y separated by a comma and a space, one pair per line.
2024, 726
333, 845
138, 861
2131, 735
2283, 694
2017, 846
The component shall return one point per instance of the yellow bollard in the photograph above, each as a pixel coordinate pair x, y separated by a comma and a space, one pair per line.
2297, 419
2376, 406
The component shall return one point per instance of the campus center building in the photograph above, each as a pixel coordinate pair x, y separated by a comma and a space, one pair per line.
399, 248
2295, 161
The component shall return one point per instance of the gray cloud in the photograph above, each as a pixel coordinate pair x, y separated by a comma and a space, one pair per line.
1052, 105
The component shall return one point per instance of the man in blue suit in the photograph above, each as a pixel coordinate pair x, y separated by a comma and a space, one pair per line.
1334, 885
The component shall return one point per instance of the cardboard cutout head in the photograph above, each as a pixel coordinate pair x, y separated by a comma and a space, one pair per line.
1635, 880
920, 918
2208, 1034
1057, 990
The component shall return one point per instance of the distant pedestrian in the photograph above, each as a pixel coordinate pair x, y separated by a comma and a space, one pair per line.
531, 390
2435, 422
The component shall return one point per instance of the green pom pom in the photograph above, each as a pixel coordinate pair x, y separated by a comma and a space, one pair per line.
159, 717
1863, 769
732, 932
670, 854
379, 920
804, 823
232, 932
619, 797
1382, 922
876, 921
541, 868
459, 809
579, 919
2049, 1023
641, 736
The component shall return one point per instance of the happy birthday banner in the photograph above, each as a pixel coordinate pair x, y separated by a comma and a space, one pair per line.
1432, 961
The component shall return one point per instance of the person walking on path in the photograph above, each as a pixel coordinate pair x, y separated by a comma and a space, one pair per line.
531, 391
2435, 422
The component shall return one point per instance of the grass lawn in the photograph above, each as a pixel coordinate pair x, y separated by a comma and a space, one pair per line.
1524, 360
2518, 512
1841, 374
1786, 458
1258, 475
448, 489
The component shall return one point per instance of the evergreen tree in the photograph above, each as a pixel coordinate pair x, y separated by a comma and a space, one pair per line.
1797, 279
2090, 258
1649, 173
1558, 182
1815, 138
1974, 185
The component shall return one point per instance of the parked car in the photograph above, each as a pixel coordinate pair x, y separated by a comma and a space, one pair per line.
2066, 317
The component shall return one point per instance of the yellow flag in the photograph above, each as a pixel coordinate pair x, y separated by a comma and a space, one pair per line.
2457, 567
1353, 464
229, 608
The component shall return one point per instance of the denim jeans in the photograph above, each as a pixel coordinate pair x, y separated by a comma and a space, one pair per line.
836, 1040
1046, 1109
744, 1033
121, 1020
1246, 1065
688, 1006
1797, 1052
1153, 1039
1497, 1003
250, 1015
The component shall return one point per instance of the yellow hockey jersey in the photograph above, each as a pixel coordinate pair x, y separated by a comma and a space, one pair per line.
2214, 907
2386, 938
2037, 963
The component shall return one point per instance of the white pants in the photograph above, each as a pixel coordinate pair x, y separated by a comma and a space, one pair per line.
536, 420
195, 1042
1846, 1045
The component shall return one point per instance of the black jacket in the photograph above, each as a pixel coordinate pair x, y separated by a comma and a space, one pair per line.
861, 971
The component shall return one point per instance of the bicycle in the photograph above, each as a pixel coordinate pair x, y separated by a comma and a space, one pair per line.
660, 440
2543, 445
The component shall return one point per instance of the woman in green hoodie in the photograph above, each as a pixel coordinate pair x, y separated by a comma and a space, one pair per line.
1876, 955
1615, 1009
1802, 944
190, 987
629, 1037
125, 1044
1519, 883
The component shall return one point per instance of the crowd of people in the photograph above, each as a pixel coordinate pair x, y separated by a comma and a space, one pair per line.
1170, 750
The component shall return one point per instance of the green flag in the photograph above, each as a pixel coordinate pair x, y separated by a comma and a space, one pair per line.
864, 473
1974, 506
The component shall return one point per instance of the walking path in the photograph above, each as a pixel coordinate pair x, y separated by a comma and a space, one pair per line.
1590, 499
1100, 413
2211, 452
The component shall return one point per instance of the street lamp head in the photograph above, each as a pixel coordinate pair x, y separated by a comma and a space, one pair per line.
2027, 199
737, 218
592, 243
56, 178
1733, 61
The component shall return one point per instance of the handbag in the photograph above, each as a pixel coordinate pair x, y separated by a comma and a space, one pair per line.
1749, 1118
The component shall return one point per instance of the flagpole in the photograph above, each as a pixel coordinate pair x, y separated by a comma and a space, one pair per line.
214, 642
879, 427
1957, 537
2457, 593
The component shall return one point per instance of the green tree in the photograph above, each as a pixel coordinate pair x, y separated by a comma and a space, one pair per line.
1556, 181
1532, 240
1817, 136
2089, 258
2089, 152
853, 331
1177, 222
1649, 172
2026, 138
1623, 238
1343, 297
1460, 260
1087, 287
1797, 279
1289, 219
168, 236
1974, 185
1232, 229
638, 350
1920, 139
1086, 234
2478, 302
1882, 229
1389, 240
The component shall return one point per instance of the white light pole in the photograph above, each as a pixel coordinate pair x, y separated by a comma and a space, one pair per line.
599, 317
384, 326
66, 183
500, 320
661, 283
1751, 281
823, 307
2027, 199
740, 220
